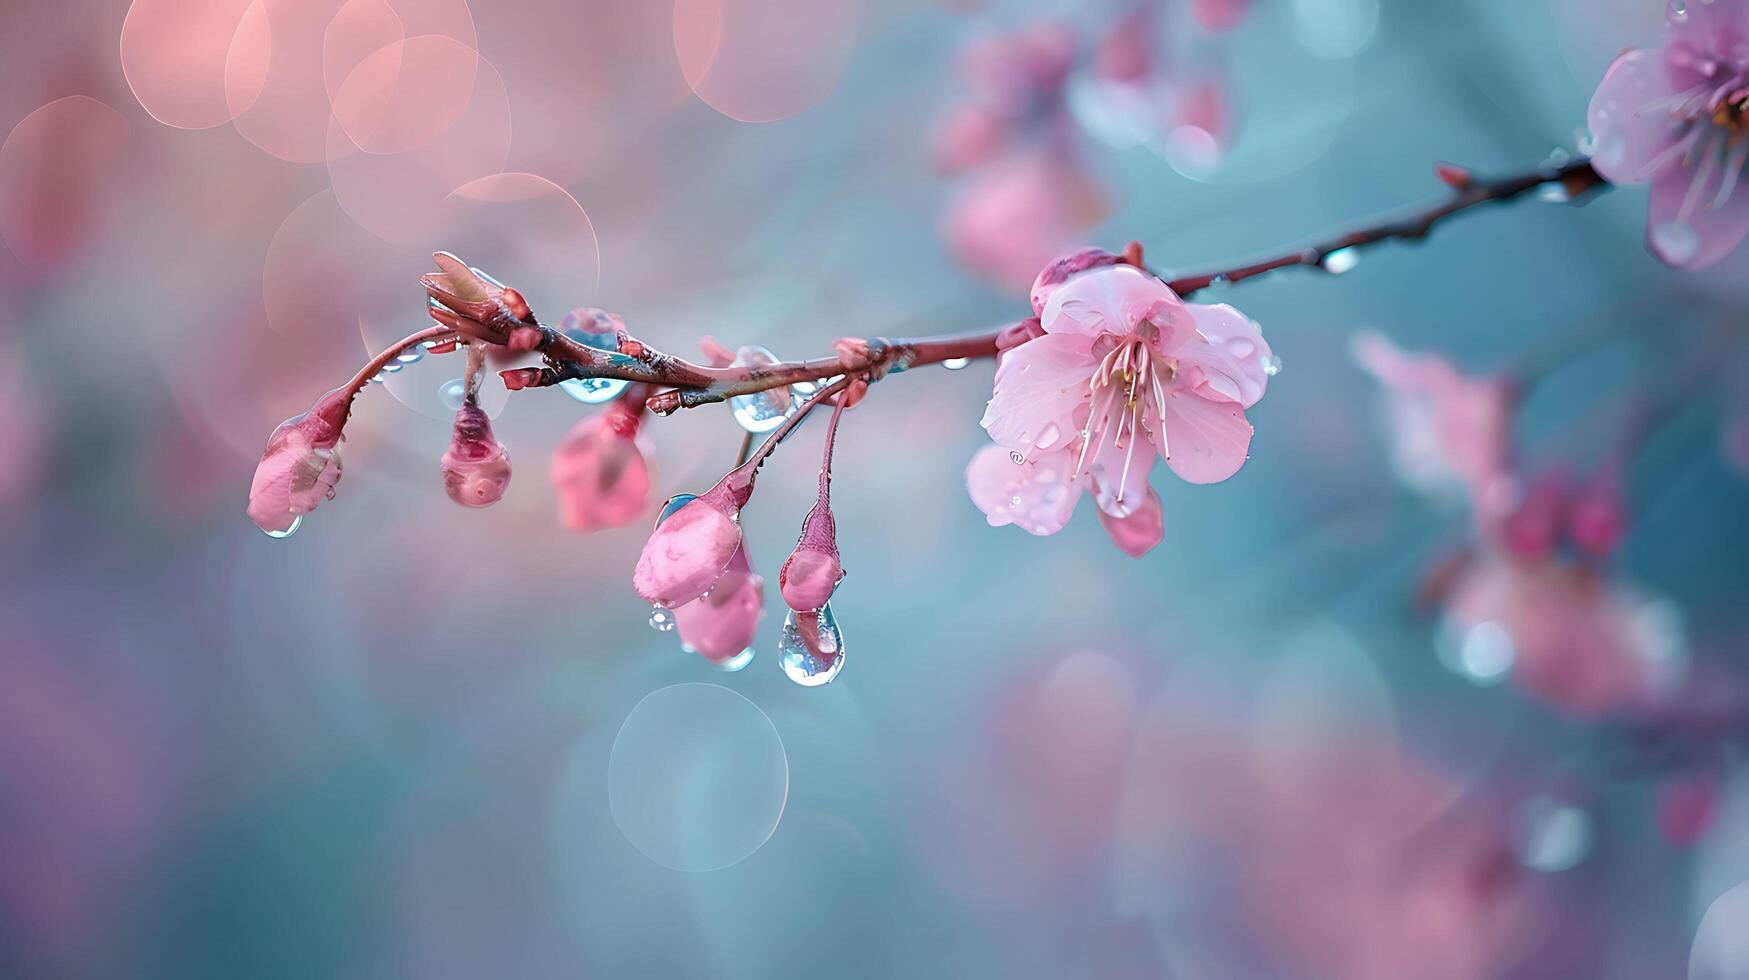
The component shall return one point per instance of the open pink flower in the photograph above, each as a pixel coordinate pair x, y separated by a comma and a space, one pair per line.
691, 548
476, 467
1675, 117
599, 472
301, 465
1036, 495
720, 624
1448, 430
1125, 373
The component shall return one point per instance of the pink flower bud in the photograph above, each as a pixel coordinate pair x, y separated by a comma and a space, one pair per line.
476, 468
1533, 530
1061, 269
301, 465
1598, 516
690, 549
466, 292
809, 577
720, 624
599, 472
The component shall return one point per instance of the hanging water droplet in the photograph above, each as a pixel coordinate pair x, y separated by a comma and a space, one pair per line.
1271, 364
955, 363
1678, 12
428, 344
452, 393
761, 411
392, 368
1553, 194
661, 620
1678, 243
411, 355
1341, 260
296, 523
673, 504
803, 389
377, 378
593, 391
801, 664
736, 662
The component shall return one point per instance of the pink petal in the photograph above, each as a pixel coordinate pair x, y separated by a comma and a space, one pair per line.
1038, 388
1708, 233
721, 623
1120, 474
1138, 533
687, 553
1207, 438
1064, 268
1231, 352
600, 476
300, 467
1036, 494
1107, 299
1629, 135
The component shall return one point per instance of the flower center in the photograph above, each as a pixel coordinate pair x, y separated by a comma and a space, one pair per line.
1128, 401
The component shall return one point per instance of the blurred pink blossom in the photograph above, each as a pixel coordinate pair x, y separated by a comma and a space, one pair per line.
1448, 430
1674, 117
1686, 805
599, 471
1220, 15
1014, 216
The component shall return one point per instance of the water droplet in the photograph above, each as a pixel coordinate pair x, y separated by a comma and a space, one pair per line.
955, 363
377, 378
593, 391
803, 389
1678, 11
1677, 243
801, 664
428, 344
452, 393
411, 355
1271, 364
1341, 260
1048, 436
1240, 346
736, 662
661, 620
1552, 834
761, 411
296, 523
1014, 501
392, 368
1553, 194
673, 504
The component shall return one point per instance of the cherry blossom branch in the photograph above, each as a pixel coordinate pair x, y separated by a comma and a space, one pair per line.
1574, 179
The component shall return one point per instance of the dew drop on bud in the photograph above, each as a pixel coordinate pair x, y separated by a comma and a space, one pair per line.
661, 620
296, 523
673, 504
453, 392
1677, 243
1272, 364
955, 363
1340, 261
802, 664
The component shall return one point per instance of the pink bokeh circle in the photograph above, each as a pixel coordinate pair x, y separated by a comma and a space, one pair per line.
59, 169
763, 60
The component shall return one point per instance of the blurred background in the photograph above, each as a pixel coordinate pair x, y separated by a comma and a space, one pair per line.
413, 740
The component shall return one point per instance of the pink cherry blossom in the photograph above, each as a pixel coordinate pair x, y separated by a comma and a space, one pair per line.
1597, 516
1015, 215
968, 137
1686, 806
720, 624
1036, 495
1448, 430
476, 467
1675, 117
1576, 640
599, 471
690, 549
1011, 74
1126, 373
301, 466
1219, 15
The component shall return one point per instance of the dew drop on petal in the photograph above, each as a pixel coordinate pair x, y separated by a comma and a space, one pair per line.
1341, 260
296, 523
661, 620
697, 778
1272, 364
1048, 436
801, 664
955, 363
